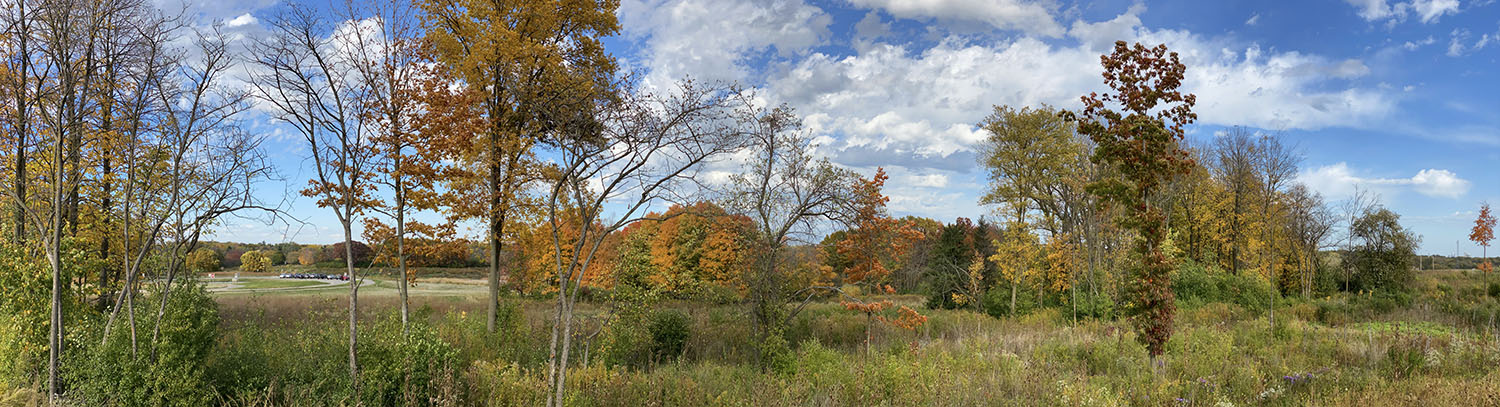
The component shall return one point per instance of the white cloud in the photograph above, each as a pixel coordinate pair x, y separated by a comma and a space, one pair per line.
1255, 19
1287, 90
871, 27
925, 104
242, 20
1338, 180
1101, 36
1371, 10
921, 105
1032, 17
709, 38
1428, 11
1456, 42
1412, 46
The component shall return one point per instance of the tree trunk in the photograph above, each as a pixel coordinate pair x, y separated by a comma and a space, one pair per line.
54, 348
1013, 285
353, 307
401, 250
496, 227
23, 53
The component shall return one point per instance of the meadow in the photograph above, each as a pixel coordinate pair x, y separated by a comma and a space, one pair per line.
1438, 347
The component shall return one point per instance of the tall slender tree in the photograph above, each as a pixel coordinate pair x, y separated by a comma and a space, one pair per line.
536, 64
310, 84
1142, 143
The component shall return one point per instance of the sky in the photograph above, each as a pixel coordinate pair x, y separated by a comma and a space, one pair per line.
1397, 97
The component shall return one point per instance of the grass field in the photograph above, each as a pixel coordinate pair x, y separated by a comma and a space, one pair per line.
1338, 350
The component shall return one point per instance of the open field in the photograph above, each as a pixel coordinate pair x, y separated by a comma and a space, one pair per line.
1328, 351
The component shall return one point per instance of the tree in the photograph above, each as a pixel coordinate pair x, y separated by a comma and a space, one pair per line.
255, 261
1276, 163
389, 56
1234, 159
535, 65
307, 256
339, 252
785, 192
1383, 251
1310, 224
203, 260
1482, 233
1016, 254
1035, 157
630, 151
304, 79
874, 243
1142, 145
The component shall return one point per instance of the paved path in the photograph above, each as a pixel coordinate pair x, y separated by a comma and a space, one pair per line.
238, 287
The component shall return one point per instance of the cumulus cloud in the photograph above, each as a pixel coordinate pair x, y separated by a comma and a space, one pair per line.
1413, 45
242, 20
1028, 16
1338, 180
709, 39
1428, 11
924, 104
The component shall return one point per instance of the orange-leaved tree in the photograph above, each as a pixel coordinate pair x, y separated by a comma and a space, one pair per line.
1483, 233
872, 247
1141, 142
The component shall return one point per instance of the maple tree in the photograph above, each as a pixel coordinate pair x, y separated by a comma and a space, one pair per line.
871, 247
532, 66
1482, 233
1142, 144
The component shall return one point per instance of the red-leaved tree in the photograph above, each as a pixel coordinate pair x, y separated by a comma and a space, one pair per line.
1141, 142
1483, 233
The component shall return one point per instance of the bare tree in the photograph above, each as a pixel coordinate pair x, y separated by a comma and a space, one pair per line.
310, 83
1233, 162
384, 49
639, 150
1276, 164
1311, 222
1361, 201
212, 163
143, 205
786, 190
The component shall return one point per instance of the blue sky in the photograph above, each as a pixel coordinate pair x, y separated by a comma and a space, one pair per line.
1399, 97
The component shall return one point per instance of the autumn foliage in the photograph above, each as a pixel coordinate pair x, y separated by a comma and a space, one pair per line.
1482, 233
1141, 142
872, 247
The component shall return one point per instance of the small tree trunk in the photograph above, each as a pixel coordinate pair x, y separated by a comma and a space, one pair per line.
401, 251
353, 308
1013, 285
869, 325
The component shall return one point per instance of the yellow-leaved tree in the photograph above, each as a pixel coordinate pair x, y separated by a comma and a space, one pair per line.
1016, 254
532, 64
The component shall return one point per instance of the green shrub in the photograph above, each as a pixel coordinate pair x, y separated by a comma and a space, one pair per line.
996, 301
306, 363
1098, 305
1195, 284
1384, 301
1494, 290
669, 333
171, 371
